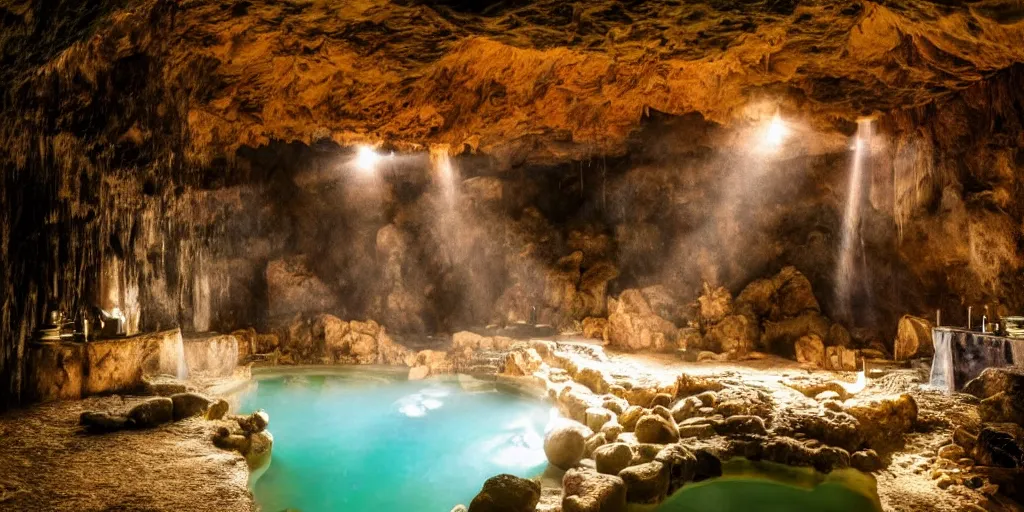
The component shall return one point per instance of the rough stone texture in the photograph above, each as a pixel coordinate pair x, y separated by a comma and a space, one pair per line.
612, 458
152, 412
735, 334
810, 349
213, 355
653, 428
155, 469
55, 371
293, 288
119, 365
506, 493
589, 491
633, 325
913, 338
564, 444
189, 404
646, 483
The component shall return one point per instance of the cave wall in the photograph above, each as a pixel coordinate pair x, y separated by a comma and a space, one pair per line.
156, 139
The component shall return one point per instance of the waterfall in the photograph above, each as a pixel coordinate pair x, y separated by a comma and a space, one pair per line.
851, 237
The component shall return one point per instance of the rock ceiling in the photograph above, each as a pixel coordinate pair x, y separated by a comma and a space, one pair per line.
550, 77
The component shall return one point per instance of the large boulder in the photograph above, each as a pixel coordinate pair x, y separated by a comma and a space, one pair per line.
995, 380
1001, 391
152, 412
506, 493
810, 349
633, 325
779, 337
913, 338
585, 490
787, 294
1000, 444
794, 296
735, 335
564, 444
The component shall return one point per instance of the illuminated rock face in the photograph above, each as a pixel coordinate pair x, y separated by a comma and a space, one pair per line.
188, 141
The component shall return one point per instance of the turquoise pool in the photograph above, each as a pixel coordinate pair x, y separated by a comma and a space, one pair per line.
360, 441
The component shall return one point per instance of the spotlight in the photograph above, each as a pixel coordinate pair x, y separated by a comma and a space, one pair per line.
367, 159
776, 132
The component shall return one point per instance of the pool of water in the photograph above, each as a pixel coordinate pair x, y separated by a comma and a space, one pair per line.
358, 441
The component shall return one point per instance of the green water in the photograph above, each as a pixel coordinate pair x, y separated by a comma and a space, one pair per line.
766, 487
361, 442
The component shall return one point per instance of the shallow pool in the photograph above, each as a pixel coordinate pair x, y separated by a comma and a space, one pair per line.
359, 441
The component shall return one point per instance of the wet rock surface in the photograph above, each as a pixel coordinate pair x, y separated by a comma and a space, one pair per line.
506, 493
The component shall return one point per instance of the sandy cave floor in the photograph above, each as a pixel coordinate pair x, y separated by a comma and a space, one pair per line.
50, 464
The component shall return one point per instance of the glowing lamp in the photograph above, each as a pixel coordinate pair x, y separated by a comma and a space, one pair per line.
367, 159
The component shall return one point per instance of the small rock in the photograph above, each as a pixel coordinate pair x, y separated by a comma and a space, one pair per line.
686, 408
187, 405
586, 491
708, 398
653, 428
645, 452
593, 442
630, 417
614, 404
662, 411
741, 425
944, 481
217, 410
102, 422
611, 431
597, 417
951, 452
662, 399
152, 412
506, 493
703, 431
646, 483
254, 423
612, 458
564, 445
866, 461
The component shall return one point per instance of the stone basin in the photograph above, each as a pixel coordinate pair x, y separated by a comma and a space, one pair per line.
70, 370
961, 355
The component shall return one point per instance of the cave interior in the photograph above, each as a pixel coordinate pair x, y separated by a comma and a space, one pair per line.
775, 185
